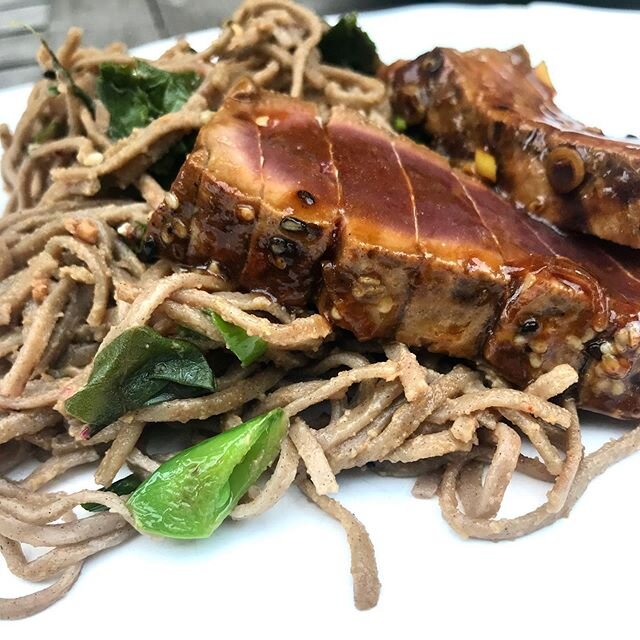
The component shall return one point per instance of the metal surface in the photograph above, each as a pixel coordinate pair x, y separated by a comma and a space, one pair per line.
136, 22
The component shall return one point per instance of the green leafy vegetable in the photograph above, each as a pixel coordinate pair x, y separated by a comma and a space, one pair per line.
246, 348
64, 75
186, 333
139, 368
193, 492
53, 129
135, 94
400, 124
122, 487
166, 169
347, 45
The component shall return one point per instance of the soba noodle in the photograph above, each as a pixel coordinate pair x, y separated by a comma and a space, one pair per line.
70, 285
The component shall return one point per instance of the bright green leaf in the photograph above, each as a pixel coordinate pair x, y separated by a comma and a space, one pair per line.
192, 493
400, 124
246, 348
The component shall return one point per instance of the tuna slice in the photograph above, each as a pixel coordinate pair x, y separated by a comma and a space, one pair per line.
494, 101
388, 241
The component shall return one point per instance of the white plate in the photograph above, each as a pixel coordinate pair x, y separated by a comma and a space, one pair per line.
286, 574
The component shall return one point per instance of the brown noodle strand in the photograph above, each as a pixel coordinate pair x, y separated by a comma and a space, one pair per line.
16, 425
53, 535
354, 420
59, 558
35, 343
364, 569
559, 493
504, 398
29, 605
426, 485
212, 405
56, 466
503, 464
116, 456
313, 456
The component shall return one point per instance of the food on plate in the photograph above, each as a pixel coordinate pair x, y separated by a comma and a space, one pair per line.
495, 102
391, 243
206, 324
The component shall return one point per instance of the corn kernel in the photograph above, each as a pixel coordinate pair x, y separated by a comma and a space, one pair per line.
542, 73
486, 166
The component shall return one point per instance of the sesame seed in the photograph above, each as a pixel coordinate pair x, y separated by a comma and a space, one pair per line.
180, 229
539, 346
245, 212
92, 159
126, 229
385, 305
574, 342
610, 364
214, 268
634, 334
293, 225
617, 387
607, 348
535, 360
621, 340
171, 200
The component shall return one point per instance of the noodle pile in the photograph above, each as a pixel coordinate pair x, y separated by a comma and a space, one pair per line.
71, 284
275, 42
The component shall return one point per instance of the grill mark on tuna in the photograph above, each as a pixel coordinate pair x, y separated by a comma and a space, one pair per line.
626, 259
540, 297
477, 212
368, 282
412, 195
457, 289
291, 233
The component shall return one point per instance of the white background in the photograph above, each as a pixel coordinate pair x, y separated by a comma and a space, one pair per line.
286, 573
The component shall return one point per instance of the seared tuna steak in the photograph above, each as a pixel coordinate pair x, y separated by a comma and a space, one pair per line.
390, 242
555, 167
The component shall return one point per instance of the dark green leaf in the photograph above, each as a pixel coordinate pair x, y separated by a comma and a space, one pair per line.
192, 493
65, 76
122, 487
140, 367
186, 333
166, 169
246, 348
135, 94
147, 249
347, 45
